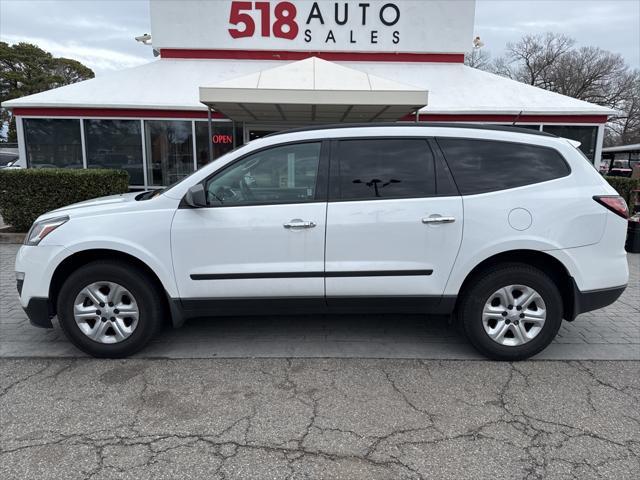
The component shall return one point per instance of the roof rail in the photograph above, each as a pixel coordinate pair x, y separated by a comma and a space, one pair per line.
472, 126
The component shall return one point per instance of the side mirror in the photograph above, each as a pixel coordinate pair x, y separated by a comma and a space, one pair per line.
195, 197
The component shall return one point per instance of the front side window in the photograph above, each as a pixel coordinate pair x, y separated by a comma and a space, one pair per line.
480, 166
115, 144
53, 143
373, 169
285, 174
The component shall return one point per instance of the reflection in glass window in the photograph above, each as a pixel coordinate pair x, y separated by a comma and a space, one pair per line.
222, 140
586, 135
528, 127
115, 144
169, 146
285, 174
53, 143
389, 168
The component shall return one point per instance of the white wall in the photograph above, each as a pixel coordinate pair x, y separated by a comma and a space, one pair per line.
434, 26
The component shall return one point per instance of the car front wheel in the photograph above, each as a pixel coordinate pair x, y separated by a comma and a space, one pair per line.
109, 309
511, 311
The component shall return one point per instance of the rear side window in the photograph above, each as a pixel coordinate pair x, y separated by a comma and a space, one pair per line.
374, 169
480, 166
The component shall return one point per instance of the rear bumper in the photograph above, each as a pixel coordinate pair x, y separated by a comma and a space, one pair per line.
586, 301
39, 312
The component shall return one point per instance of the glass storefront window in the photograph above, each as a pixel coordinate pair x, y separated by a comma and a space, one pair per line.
527, 126
169, 145
115, 144
586, 135
222, 140
53, 143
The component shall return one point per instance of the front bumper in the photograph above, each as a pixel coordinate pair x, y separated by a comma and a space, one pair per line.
35, 265
39, 312
34, 268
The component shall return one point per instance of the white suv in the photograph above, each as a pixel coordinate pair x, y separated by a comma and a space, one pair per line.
509, 230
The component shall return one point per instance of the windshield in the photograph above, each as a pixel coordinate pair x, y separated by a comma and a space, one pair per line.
7, 159
620, 164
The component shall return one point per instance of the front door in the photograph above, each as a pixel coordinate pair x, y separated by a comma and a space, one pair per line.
263, 232
389, 235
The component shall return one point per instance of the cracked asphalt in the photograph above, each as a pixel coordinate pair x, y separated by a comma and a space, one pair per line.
326, 397
318, 418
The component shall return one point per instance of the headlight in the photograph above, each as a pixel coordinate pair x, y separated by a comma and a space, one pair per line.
41, 229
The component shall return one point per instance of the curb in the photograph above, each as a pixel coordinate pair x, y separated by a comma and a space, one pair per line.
11, 237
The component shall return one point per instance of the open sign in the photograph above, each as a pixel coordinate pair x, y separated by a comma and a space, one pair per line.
224, 139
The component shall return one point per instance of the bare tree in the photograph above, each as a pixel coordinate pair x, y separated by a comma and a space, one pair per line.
593, 75
531, 59
550, 61
478, 58
625, 127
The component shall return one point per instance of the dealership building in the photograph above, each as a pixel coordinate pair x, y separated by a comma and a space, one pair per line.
231, 71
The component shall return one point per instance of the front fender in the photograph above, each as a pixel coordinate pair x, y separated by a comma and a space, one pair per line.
153, 260
143, 234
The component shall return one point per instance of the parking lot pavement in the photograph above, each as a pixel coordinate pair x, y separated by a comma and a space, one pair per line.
404, 410
318, 418
612, 333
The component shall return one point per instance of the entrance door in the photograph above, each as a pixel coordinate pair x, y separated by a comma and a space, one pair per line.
263, 232
388, 234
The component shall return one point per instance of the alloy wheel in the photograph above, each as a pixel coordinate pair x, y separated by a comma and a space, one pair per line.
106, 312
514, 315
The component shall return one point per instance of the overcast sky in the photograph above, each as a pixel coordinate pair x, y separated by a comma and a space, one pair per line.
99, 33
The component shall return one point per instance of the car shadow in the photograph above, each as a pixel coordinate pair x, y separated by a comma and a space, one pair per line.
364, 336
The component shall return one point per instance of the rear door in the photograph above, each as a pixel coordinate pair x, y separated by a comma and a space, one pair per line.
391, 232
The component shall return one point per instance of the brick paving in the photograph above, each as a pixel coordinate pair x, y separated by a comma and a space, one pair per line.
612, 333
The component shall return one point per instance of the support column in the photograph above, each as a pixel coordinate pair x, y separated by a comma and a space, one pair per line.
210, 130
597, 156
22, 146
233, 129
145, 162
83, 144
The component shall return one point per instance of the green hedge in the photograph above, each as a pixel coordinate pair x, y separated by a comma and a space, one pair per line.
624, 186
26, 194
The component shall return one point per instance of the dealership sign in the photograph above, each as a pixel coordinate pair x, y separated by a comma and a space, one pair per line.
415, 26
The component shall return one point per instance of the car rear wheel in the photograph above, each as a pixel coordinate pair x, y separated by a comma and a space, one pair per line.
511, 311
109, 309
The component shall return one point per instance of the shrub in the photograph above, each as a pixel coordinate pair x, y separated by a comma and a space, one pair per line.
26, 194
625, 186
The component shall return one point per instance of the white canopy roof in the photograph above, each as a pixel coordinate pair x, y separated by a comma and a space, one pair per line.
313, 90
174, 84
622, 148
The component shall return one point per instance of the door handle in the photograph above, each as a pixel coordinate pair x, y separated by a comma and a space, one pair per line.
438, 219
296, 223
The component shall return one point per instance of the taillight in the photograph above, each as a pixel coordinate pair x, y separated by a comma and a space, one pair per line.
614, 203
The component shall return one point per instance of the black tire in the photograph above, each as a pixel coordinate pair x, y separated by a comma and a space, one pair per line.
470, 309
150, 306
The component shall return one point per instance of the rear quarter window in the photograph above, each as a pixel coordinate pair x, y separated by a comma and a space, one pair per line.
480, 166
